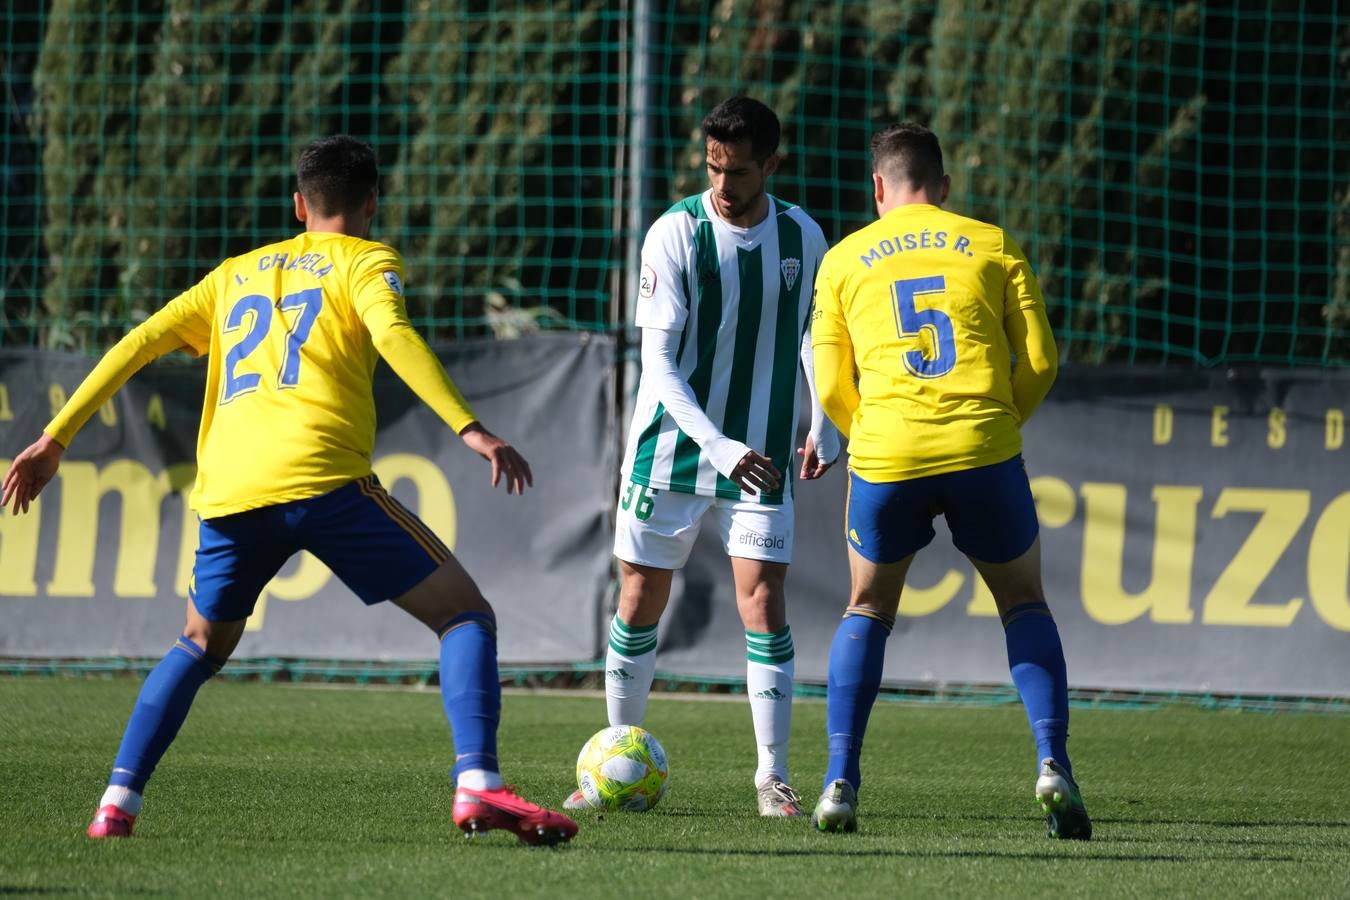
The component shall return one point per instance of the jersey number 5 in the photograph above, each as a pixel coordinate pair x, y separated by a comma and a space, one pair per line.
912, 323
309, 302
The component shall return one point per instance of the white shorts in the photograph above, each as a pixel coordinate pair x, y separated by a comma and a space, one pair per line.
657, 527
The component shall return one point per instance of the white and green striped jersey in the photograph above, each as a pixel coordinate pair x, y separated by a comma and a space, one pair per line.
740, 298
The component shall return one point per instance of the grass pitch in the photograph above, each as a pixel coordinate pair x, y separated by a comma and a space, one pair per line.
292, 791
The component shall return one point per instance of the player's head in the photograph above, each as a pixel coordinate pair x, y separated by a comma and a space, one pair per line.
741, 139
336, 176
744, 119
907, 161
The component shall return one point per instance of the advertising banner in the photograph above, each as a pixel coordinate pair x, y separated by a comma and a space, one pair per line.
100, 565
1195, 532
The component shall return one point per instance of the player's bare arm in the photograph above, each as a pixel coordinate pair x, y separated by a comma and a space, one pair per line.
507, 463
30, 472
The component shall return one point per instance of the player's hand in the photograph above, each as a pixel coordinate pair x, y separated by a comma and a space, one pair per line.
812, 467
756, 473
30, 472
507, 463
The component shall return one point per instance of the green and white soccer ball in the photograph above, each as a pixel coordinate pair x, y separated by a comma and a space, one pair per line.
622, 767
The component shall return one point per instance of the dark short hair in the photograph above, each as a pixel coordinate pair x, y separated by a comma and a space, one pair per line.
743, 119
336, 174
907, 152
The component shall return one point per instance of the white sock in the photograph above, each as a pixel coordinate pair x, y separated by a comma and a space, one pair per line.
479, 780
769, 686
630, 664
124, 798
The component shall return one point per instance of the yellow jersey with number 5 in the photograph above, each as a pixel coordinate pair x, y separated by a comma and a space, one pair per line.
920, 296
289, 411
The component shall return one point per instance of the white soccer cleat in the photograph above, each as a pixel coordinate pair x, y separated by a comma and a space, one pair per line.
837, 809
1060, 800
777, 799
577, 801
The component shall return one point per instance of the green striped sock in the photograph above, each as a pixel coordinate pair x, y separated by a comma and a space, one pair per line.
770, 649
631, 640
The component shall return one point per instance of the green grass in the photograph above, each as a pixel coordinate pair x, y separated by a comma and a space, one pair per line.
275, 790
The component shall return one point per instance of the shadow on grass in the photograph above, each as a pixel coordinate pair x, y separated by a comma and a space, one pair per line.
1228, 823
950, 854
1205, 841
1109, 820
19, 890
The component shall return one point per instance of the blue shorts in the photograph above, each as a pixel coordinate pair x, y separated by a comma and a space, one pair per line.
371, 541
989, 510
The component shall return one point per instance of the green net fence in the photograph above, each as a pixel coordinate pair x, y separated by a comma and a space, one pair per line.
1179, 173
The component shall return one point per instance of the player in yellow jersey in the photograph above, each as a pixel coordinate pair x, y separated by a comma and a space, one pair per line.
932, 349
292, 332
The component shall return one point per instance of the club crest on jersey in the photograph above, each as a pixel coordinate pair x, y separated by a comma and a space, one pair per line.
647, 282
394, 282
792, 267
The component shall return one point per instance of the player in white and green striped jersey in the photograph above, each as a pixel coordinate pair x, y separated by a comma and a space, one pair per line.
724, 299
738, 299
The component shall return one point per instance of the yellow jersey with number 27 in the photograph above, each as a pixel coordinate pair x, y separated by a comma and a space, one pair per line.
293, 331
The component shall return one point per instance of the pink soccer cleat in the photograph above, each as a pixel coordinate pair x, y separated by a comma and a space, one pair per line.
478, 811
111, 822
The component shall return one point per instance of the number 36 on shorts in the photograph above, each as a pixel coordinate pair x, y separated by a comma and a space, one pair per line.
643, 496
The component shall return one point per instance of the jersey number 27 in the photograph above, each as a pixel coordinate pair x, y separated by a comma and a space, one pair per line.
309, 302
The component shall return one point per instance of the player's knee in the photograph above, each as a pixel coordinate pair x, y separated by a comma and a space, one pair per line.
482, 619
473, 601
215, 639
216, 643
869, 598
1007, 602
643, 595
641, 608
865, 599
764, 596
762, 608
1011, 593
462, 605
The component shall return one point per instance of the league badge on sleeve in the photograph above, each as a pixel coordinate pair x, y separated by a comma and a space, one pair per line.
647, 282
394, 282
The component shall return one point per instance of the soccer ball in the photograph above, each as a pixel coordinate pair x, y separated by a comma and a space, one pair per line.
622, 767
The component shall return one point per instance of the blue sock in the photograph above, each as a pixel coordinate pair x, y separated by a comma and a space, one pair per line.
470, 692
162, 706
856, 658
1036, 659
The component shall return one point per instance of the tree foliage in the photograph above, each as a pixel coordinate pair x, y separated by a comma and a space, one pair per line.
1177, 171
